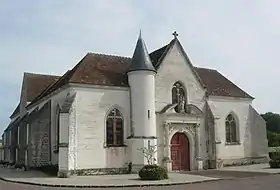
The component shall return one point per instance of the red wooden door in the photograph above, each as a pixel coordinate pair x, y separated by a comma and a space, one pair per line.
180, 152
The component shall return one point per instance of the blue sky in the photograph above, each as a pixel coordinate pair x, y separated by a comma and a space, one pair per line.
239, 38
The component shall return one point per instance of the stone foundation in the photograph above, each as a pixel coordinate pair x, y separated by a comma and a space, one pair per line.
99, 171
244, 161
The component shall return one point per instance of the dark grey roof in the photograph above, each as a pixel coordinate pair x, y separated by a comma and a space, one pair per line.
141, 59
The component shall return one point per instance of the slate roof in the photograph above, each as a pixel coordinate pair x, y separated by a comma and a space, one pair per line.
218, 85
110, 70
36, 83
141, 59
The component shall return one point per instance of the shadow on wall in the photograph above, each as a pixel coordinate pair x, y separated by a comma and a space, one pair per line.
255, 138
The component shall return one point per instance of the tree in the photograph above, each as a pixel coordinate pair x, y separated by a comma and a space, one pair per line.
272, 121
149, 153
273, 139
273, 128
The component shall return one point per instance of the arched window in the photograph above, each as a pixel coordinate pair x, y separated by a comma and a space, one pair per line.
178, 97
114, 128
231, 129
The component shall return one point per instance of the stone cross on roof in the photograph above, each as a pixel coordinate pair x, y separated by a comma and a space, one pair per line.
175, 34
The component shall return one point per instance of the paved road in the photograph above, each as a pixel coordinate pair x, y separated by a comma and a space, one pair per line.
271, 182
227, 174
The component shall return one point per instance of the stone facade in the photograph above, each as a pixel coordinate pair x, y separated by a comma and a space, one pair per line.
210, 161
36, 144
23, 144
39, 142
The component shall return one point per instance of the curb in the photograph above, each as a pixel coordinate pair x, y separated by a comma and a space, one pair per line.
129, 185
108, 186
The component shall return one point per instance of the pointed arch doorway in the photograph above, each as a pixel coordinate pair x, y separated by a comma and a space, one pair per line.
180, 152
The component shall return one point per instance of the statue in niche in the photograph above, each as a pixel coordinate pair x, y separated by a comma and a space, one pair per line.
181, 104
179, 97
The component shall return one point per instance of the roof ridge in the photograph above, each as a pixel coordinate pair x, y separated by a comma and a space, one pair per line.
210, 69
41, 74
111, 55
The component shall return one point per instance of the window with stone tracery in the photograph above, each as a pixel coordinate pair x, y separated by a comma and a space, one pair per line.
231, 129
114, 128
178, 97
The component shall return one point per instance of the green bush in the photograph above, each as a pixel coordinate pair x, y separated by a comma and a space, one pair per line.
274, 163
153, 172
275, 159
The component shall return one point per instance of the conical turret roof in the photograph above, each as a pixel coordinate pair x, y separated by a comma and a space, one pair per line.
141, 59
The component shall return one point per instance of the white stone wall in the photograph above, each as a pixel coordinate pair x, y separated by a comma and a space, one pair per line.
65, 157
142, 92
258, 137
72, 137
57, 99
92, 106
142, 85
221, 107
160, 139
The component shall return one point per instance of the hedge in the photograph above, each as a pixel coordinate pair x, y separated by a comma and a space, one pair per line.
153, 172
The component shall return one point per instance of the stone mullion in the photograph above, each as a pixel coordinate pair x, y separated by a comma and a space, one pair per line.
114, 131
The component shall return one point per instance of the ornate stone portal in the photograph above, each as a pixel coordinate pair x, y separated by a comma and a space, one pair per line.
191, 130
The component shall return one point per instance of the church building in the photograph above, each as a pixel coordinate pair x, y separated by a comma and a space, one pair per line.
98, 116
